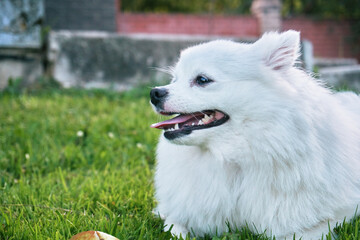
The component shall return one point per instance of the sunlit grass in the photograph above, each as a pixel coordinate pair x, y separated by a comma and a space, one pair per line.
73, 161
56, 182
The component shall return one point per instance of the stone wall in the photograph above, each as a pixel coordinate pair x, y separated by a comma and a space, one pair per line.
331, 38
106, 59
210, 25
87, 15
20, 63
347, 77
20, 23
21, 53
103, 60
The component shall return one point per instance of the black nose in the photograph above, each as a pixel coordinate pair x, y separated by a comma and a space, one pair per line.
158, 95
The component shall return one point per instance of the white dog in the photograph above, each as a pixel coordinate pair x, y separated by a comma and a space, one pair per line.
255, 142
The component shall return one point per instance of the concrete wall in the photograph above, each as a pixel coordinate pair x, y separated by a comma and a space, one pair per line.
20, 40
20, 23
20, 63
103, 60
97, 15
119, 62
342, 76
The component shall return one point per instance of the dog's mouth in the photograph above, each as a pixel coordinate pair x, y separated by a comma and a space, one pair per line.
185, 123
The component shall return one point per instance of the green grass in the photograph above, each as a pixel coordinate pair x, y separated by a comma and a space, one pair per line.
56, 182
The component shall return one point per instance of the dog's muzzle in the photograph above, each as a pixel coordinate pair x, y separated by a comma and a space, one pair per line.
158, 96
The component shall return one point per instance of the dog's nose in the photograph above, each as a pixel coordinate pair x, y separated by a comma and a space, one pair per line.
158, 95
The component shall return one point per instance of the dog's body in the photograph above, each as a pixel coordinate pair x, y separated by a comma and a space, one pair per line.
276, 151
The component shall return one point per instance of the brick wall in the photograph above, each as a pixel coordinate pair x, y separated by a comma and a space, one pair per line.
245, 26
330, 38
96, 15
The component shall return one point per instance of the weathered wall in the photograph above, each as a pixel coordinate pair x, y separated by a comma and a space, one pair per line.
105, 60
20, 40
19, 63
240, 26
342, 76
20, 23
119, 62
97, 15
330, 38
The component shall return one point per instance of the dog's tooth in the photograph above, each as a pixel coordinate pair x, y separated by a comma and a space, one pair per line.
200, 122
206, 119
176, 126
193, 124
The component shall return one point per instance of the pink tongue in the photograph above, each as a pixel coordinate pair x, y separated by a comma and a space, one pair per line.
175, 120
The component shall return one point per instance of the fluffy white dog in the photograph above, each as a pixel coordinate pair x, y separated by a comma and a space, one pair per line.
256, 141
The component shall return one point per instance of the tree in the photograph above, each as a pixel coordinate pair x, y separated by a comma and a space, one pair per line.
188, 6
335, 9
344, 9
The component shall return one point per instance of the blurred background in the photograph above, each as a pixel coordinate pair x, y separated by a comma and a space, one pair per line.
74, 159
117, 44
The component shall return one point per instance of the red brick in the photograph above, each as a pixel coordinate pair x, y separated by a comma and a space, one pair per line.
328, 36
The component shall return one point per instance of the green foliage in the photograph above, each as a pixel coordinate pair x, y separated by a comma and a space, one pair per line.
334, 9
330, 9
45, 82
187, 6
14, 86
76, 160
18, 86
348, 9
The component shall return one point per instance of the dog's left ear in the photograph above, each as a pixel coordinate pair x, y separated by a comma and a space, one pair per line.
279, 51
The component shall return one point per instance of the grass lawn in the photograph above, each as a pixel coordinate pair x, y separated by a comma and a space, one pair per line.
73, 161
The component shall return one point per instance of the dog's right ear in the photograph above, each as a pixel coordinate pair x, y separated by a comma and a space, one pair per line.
279, 51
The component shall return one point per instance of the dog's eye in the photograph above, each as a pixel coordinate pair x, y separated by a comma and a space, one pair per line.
202, 80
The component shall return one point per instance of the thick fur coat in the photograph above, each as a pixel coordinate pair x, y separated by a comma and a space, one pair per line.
285, 161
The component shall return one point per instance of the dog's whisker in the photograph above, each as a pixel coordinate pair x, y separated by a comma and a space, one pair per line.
168, 70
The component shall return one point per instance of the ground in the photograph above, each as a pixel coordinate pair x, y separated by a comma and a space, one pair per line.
75, 160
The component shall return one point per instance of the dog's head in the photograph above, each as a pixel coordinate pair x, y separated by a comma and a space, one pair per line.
220, 86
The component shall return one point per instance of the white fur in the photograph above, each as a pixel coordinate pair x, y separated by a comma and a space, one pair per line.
288, 159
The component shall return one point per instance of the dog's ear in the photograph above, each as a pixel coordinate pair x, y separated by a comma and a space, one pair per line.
279, 51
